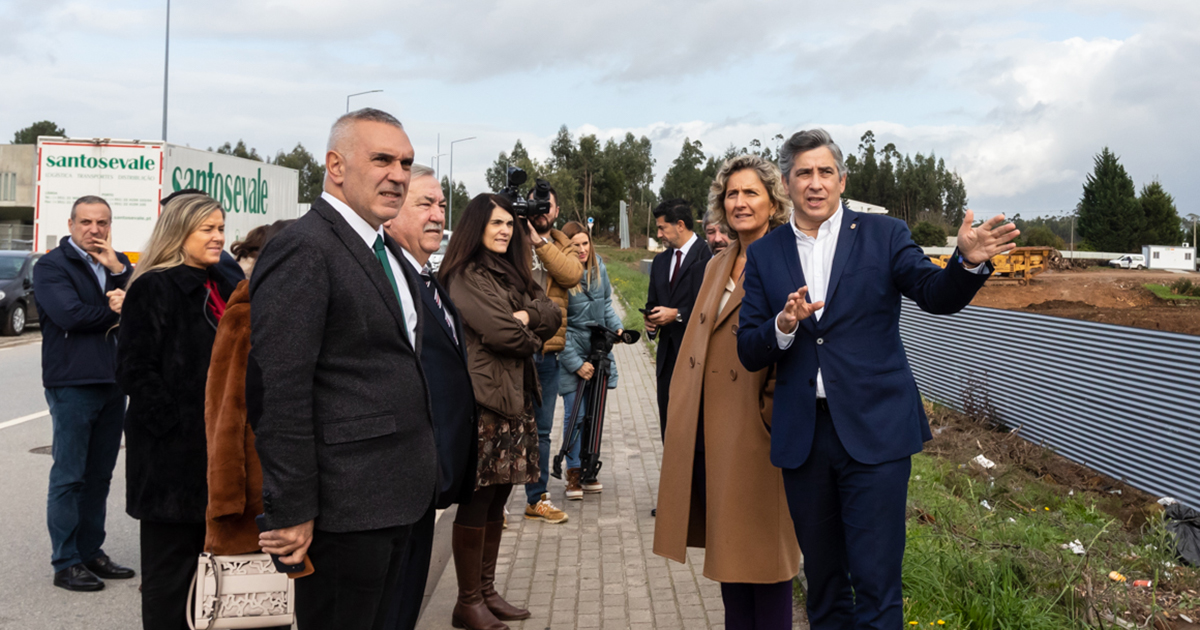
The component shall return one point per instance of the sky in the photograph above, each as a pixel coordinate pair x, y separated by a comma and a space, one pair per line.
1017, 96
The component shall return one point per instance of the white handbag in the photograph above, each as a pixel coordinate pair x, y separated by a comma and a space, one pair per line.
242, 591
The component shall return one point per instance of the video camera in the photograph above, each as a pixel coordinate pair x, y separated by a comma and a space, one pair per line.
603, 340
523, 207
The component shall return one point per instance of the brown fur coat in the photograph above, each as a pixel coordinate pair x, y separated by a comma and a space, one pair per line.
234, 472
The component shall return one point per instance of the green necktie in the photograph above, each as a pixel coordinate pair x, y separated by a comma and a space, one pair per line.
381, 254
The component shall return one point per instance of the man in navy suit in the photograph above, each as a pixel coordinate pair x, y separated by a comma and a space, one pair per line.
822, 305
418, 230
675, 278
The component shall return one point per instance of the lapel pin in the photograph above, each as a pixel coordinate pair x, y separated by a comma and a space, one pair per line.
853, 225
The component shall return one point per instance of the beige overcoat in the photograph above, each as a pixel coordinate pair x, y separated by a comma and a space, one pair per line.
743, 521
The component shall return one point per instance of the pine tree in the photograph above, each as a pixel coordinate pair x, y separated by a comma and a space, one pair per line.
1110, 217
689, 176
1162, 219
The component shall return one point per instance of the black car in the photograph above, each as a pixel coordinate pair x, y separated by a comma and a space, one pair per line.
16, 291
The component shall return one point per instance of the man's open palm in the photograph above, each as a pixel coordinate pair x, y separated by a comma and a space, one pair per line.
977, 245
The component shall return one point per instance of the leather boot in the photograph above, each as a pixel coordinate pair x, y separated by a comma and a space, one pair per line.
470, 611
491, 549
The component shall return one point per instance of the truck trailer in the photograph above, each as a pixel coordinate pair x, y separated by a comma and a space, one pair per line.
134, 176
1169, 257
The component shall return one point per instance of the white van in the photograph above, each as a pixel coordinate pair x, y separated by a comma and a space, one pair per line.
1129, 261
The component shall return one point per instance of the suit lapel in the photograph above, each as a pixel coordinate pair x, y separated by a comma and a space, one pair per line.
791, 259
431, 305
365, 258
413, 280
845, 249
692, 256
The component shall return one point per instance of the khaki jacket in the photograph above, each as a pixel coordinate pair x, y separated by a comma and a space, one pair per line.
743, 521
499, 347
564, 271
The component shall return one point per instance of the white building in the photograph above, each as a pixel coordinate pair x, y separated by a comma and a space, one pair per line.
1170, 257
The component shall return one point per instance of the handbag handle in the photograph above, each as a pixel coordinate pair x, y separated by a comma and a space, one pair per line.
192, 594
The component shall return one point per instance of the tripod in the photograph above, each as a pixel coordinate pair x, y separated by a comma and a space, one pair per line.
589, 427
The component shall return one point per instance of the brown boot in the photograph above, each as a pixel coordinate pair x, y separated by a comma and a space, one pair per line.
495, 603
574, 488
470, 611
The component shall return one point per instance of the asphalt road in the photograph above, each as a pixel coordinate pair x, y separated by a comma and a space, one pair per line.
28, 600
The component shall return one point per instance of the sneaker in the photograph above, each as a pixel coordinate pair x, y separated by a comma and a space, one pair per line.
592, 487
545, 511
504, 523
574, 490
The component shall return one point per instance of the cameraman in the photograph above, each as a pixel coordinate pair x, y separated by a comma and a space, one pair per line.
558, 270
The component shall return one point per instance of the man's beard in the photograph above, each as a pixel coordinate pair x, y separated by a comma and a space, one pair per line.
542, 223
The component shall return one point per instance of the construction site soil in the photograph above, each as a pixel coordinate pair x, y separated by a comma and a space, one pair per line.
1098, 294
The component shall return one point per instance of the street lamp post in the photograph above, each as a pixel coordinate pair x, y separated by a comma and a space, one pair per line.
357, 94
450, 201
166, 70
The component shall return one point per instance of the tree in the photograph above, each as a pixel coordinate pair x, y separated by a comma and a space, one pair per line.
914, 189
928, 234
29, 135
1110, 217
312, 172
687, 178
461, 199
1041, 236
239, 150
1162, 219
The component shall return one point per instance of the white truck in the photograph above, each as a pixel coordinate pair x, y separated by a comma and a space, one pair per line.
134, 175
1170, 257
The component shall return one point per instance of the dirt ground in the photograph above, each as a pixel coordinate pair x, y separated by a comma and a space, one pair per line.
1110, 296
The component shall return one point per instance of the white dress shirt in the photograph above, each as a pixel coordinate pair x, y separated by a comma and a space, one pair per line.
368, 234
816, 261
685, 249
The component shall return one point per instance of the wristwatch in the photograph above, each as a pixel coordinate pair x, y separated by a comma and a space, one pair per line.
678, 317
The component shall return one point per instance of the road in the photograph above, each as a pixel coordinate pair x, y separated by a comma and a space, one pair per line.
28, 600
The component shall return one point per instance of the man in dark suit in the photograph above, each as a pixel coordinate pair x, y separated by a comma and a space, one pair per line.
334, 387
822, 305
418, 230
675, 278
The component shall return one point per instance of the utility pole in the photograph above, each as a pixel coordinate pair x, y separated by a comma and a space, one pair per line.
166, 70
450, 193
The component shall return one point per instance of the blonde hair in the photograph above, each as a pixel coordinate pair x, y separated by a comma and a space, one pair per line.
590, 268
771, 179
181, 216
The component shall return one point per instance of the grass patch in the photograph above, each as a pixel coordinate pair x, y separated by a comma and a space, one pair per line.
629, 283
1164, 292
984, 547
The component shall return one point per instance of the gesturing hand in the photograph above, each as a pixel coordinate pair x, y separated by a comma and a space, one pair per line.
978, 245
102, 251
795, 310
290, 543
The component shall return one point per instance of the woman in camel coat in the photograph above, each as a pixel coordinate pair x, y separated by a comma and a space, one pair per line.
719, 420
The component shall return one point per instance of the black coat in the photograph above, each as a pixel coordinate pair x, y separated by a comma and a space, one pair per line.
455, 418
166, 340
334, 390
79, 344
681, 295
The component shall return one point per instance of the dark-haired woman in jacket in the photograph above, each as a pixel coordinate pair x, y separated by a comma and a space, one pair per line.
506, 319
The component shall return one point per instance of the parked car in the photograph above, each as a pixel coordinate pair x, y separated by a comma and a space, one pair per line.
16, 291
1129, 261
435, 259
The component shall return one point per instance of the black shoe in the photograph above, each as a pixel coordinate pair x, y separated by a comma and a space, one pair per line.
654, 512
77, 578
104, 567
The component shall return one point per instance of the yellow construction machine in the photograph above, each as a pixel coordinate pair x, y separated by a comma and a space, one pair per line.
1019, 265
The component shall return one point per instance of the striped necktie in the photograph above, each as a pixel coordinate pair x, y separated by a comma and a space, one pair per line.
427, 276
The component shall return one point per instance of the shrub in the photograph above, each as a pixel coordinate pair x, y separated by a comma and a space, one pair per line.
928, 234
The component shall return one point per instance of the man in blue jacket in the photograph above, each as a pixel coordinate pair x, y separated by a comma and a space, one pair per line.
80, 286
822, 305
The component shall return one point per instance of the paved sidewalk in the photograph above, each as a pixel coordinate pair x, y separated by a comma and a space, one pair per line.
598, 569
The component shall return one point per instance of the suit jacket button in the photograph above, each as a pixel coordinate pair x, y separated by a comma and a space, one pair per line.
733, 374
701, 318
820, 340
692, 361
735, 328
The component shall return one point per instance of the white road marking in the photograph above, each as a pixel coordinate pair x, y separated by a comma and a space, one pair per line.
23, 419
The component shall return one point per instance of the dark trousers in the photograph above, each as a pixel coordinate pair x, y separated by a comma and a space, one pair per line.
410, 590
667, 361
757, 606
547, 372
849, 519
169, 556
87, 423
354, 579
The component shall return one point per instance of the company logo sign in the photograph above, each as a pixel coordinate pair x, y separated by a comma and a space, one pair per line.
140, 163
235, 193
